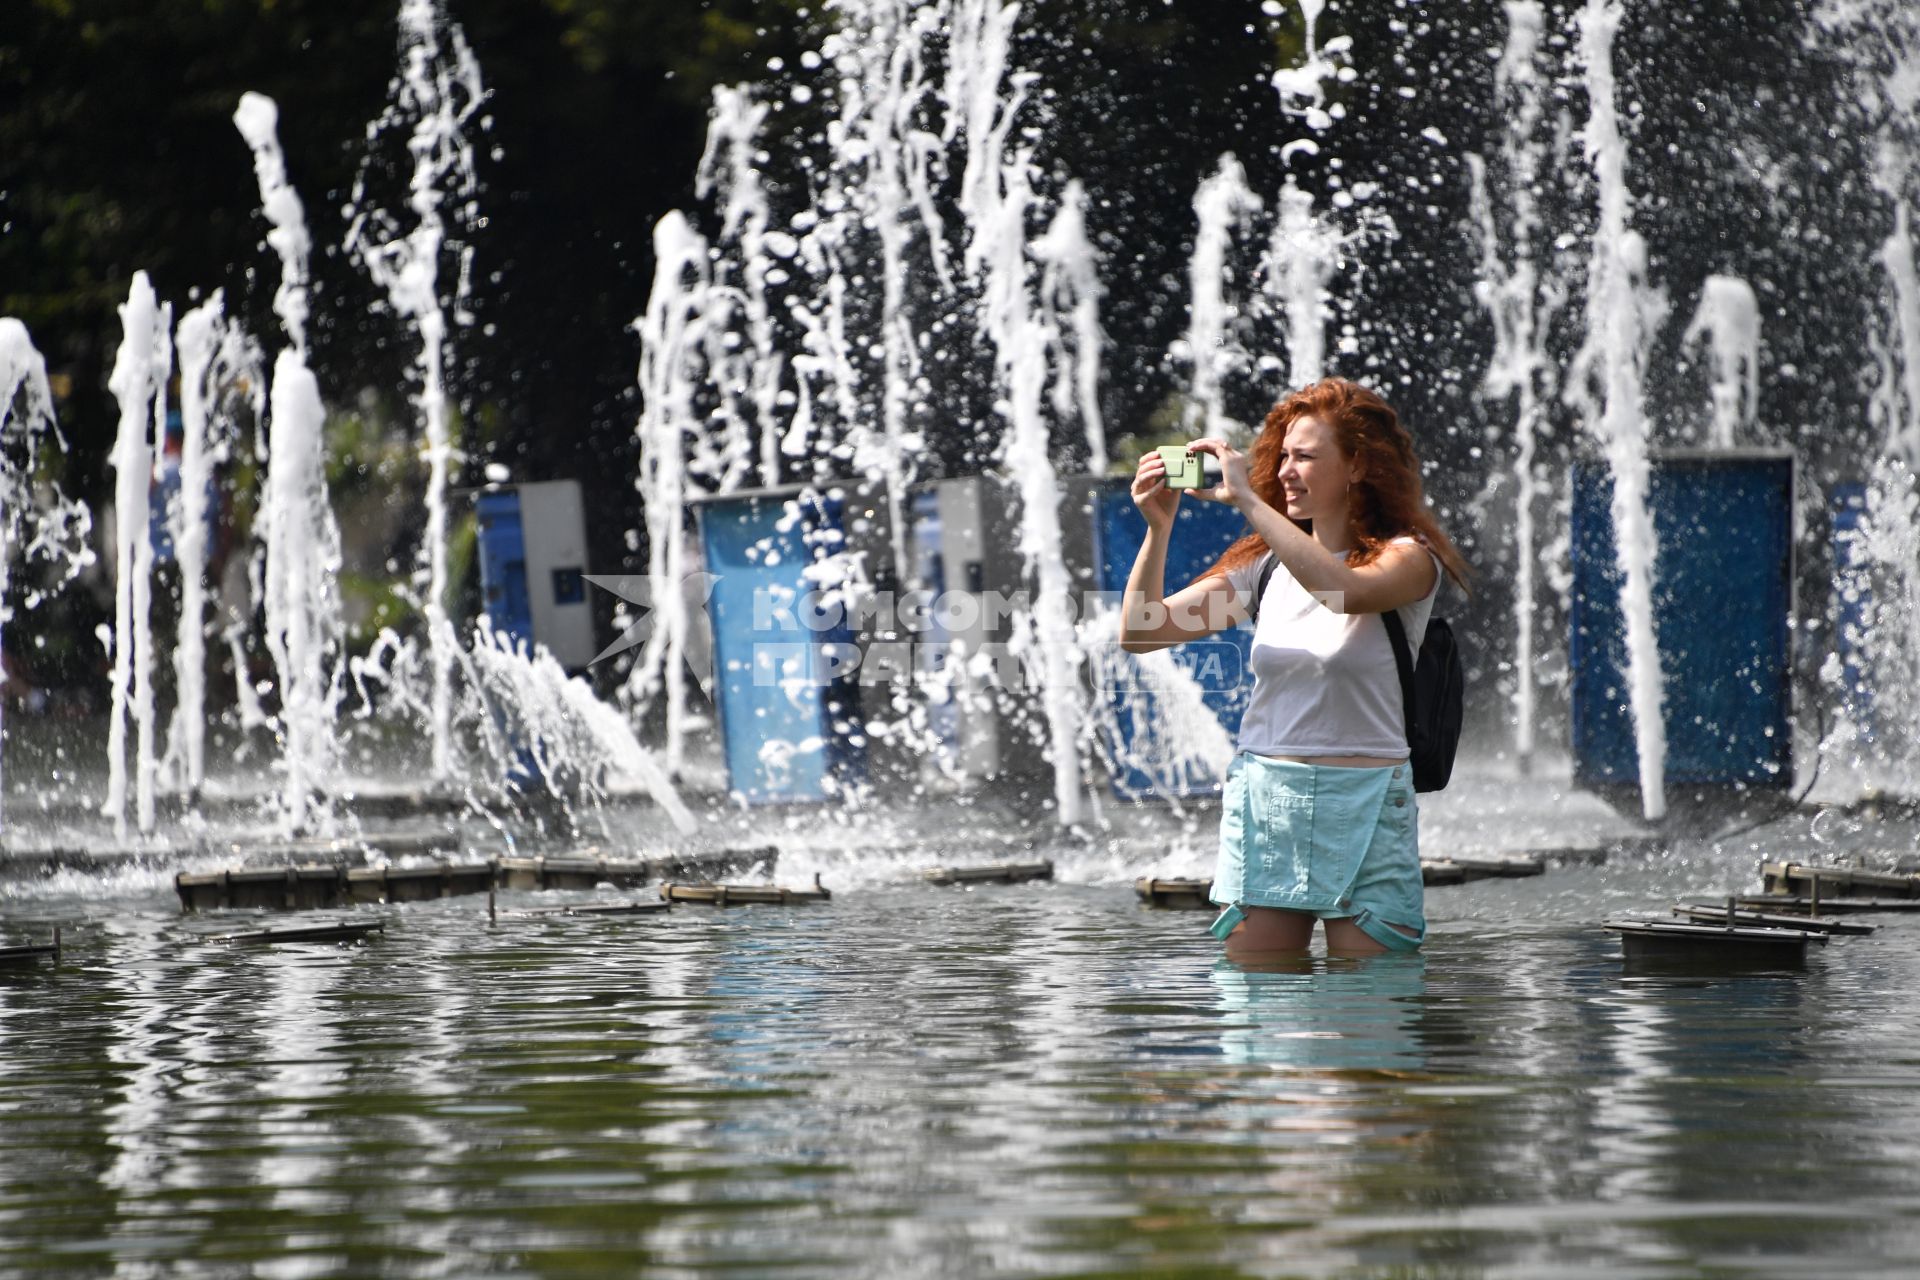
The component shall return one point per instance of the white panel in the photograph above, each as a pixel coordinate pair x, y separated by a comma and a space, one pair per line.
553, 524
963, 539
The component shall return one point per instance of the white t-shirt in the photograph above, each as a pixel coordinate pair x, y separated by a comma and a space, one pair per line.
1324, 683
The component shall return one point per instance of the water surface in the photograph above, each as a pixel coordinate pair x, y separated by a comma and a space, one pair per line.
1021, 1081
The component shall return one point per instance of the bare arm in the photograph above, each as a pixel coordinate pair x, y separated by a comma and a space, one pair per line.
1149, 619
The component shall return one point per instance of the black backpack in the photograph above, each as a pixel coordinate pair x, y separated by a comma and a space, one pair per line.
1431, 690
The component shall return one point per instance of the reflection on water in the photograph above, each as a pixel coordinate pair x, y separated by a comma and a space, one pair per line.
1042, 1080
1320, 1014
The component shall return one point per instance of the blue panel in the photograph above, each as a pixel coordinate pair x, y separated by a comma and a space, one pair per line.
164, 493
1849, 611
1201, 531
503, 564
1722, 594
789, 729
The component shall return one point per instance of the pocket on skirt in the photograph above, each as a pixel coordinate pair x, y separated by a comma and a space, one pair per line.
1281, 804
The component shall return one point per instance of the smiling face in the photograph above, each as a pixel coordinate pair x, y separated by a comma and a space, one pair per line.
1314, 474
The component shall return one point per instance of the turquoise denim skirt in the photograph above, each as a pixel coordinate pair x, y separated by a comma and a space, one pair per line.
1331, 842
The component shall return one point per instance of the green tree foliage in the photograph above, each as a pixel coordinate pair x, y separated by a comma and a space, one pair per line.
118, 153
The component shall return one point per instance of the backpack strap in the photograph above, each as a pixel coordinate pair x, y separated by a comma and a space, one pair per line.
1260, 586
1403, 659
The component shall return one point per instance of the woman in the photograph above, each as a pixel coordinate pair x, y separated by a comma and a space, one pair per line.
1318, 818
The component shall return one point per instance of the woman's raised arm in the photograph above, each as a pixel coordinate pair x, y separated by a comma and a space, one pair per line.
1149, 620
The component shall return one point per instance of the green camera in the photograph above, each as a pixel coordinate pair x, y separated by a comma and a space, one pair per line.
1183, 467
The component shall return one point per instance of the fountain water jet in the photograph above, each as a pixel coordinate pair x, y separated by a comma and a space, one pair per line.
998, 199
874, 141
1878, 578
1302, 89
1882, 37
1606, 384
1022, 342
1070, 285
1728, 320
822, 344
139, 382
1222, 202
218, 364
439, 89
303, 557
1522, 304
1897, 399
671, 332
1302, 256
753, 373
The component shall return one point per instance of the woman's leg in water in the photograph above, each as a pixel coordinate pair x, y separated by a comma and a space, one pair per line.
1345, 938
1268, 929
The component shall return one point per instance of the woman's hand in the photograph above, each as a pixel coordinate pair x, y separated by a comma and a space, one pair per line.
1150, 493
1236, 485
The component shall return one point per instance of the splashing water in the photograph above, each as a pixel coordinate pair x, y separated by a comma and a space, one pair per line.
878, 148
1303, 252
1896, 401
1882, 38
998, 202
258, 120
1302, 90
818, 342
1880, 574
32, 525
1879, 734
27, 425
1171, 734
916, 94
300, 591
540, 726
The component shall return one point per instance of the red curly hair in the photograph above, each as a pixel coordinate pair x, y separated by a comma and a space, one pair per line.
1385, 503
